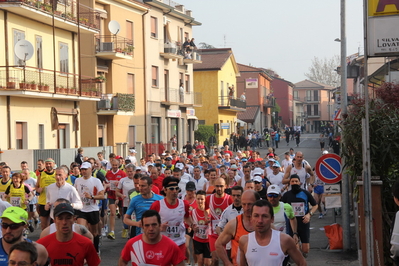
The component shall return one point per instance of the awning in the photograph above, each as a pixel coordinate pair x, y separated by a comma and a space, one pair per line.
192, 117
379, 75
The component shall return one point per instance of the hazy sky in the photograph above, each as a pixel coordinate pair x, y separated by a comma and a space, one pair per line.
282, 34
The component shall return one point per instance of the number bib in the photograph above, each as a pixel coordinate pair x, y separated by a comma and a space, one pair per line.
299, 208
15, 201
114, 185
173, 231
202, 231
214, 224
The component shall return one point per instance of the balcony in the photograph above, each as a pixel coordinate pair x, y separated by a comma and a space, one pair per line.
312, 99
172, 97
43, 83
193, 58
313, 114
232, 104
112, 47
171, 50
269, 102
65, 14
118, 104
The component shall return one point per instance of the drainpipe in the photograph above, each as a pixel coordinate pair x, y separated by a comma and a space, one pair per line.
145, 87
7, 79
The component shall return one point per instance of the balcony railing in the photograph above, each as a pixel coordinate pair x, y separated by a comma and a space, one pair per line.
226, 102
114, 46
269, 101
171, 49
312, 99
119, 102
314, 114
63, 10
48, 81
172, 96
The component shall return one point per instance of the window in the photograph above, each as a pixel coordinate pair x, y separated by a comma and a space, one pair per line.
221, 93
186, 36
155, 125
296, 96
154, 27
132, 136
187, 83
129, 32
41, 137
316, 109
130, 83
309, 109
154, 76
181, 76
64, 55
100, 131
62, 136
39, 52
18, 35
315, 95
20, 135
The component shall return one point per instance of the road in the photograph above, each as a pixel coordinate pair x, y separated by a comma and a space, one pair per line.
309, 145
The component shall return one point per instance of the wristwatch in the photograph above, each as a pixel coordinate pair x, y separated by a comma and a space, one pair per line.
311, 213
92, 197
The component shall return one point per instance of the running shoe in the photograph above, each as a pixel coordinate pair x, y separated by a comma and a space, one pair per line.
111, 235
125, 233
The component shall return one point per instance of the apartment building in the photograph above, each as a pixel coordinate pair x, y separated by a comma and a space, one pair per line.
316, 99
213, 78
170, 95
116, 55
283, 93
42, 84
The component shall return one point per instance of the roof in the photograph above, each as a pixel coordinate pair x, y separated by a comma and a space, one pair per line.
246, 68
249, 115
309, 84
213, 59
379, 75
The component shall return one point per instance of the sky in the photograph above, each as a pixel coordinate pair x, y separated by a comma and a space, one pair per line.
284, 35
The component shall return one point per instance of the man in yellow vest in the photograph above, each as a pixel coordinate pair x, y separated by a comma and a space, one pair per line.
46, 178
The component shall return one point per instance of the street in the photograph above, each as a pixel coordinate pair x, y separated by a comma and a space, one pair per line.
110, 249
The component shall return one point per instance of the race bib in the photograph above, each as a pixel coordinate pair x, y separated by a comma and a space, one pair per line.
299, 208
202, 232
173, 231
114, 185
215, 224
15, 201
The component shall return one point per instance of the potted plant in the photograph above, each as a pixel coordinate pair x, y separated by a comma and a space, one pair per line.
72, 90
46, 87
32, 85
60, 89
11, 84
118, 50
129, 49
22, 85
40, 86
100, 79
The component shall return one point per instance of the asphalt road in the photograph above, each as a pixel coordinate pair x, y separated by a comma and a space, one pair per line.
309, 145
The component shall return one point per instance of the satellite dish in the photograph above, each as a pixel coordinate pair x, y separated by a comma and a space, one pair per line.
23, 50
114, 27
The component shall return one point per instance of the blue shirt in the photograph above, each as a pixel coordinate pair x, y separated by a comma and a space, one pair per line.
139, 205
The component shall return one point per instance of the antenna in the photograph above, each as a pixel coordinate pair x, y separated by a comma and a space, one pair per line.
114, 27
23, 49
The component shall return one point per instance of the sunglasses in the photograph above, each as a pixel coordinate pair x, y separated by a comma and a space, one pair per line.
273, 195
173, 188
257, 182
12, 226
219, 185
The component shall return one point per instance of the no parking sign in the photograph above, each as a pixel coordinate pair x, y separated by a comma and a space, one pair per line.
329, 168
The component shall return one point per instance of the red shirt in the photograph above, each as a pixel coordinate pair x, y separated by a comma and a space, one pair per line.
155, 190
229, 152
163, 253
158, 183
114, 180
219, 205
72, 252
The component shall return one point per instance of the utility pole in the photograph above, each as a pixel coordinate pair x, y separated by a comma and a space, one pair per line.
344, 111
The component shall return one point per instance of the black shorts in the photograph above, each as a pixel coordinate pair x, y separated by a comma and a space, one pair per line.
43, 212
112, 201
92, 218
191, 234
303, 230
31, 208
202, 248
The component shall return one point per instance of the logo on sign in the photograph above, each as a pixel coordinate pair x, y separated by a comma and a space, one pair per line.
329, 169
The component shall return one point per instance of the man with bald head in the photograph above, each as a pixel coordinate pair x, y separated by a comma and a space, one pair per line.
236, 228
300, 168
216, 204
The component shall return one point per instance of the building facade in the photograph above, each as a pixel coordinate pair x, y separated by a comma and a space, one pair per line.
213, 78
283, 92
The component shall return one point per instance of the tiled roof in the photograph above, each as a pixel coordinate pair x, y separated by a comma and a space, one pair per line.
249, 115
213, 59
311, 84
242, 67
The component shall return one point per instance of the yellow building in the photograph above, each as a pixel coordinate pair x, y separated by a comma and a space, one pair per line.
213, 78
170, 95
41, 88
116, 53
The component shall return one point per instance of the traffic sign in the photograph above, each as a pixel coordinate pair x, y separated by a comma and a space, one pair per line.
337, 115
329, 168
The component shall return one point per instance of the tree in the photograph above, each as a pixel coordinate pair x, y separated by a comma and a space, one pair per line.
204, 133
203, 45
323, 70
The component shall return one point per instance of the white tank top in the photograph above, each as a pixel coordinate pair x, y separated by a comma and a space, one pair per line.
176, 230
279, 219
301, 173
270, 255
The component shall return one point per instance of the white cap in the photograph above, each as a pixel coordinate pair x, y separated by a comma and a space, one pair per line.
273, 189
258, 171
258, 178
180, 166
85, 165
133, 150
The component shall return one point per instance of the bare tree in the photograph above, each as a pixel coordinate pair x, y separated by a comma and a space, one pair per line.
323, 70
203, 45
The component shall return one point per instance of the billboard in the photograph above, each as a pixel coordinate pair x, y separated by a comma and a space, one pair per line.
382, 28
251, 83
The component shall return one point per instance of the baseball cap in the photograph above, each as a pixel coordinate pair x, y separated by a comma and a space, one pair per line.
118, 157
273, 189
15, 214
138, 168
258, 171
63, 208
163, 154
168, 159
244, 160
85, 165
180, 166
133, 150
233, 167
271, 155
190, 186
275, 165
257, 179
